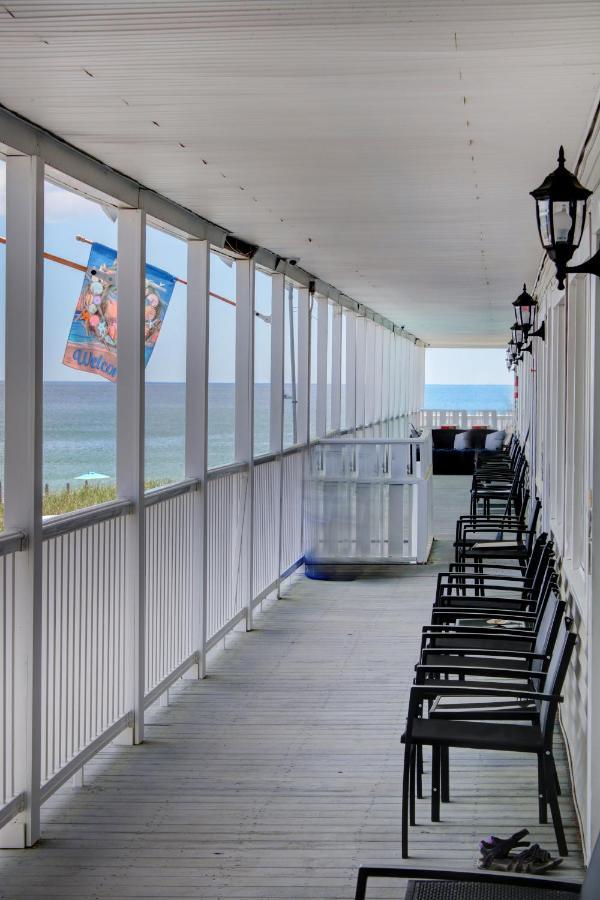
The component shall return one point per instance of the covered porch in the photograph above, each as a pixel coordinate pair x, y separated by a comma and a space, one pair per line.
280, 773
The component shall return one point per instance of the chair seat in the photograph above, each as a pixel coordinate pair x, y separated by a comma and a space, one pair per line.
469, 890
518, 552
475, 643
483, 707
477, 735
473, 662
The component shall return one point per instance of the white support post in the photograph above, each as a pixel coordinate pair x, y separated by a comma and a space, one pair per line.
130, 448
322, 342
303, 416
336, 369
385, 376
350, 405
196, 425
277, 394
244, 427
360, 351
23, 474
277, 362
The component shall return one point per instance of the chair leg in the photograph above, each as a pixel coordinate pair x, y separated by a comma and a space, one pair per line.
420, 770
435, 784
413, 772
445, 780
556, 781
542, 794
549, 769
405, 798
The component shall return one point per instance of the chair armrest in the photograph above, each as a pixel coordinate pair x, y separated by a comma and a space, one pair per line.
491, 672
418, 872
442, 689
481, 651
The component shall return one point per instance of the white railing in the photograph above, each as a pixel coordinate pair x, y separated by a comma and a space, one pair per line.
369, 501
463, 418
8, 788
228, 518
171, 542
84, 652
86, 636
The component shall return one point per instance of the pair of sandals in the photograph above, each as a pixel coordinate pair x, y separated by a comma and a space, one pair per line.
534, 860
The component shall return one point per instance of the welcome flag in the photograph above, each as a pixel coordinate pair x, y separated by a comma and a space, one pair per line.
93, 340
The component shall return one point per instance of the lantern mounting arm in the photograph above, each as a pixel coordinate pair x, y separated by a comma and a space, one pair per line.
590, 267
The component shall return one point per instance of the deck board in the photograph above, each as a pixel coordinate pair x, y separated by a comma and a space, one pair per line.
281, 772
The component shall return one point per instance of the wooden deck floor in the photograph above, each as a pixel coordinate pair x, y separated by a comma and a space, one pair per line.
281, 772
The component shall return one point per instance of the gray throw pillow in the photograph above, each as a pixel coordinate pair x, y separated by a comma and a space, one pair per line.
495, 440
462, 441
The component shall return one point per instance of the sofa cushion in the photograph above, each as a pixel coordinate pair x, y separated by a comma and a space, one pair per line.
462, 441
495, 440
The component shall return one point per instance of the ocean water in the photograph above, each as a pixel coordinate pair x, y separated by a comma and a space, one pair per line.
80, 425
469, 396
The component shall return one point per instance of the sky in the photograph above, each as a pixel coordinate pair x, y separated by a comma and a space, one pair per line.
466, 366
67, 215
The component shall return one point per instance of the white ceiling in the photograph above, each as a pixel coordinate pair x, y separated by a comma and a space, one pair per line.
389, 145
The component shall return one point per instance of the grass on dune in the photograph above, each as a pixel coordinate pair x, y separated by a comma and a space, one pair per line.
59, 502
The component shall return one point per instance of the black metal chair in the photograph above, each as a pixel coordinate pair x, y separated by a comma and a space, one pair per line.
518, 548
443, 734
433, 884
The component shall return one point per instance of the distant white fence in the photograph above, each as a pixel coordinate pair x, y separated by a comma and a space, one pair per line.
463, 418
87, 640
369, 501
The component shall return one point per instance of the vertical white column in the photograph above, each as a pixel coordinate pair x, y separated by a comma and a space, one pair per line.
336, 369
244, 428
276, 398
393, 379
130, 447
360, 353
303, 416
196, 425
23, 473
322, 342
350, 405
277, 362
385, 376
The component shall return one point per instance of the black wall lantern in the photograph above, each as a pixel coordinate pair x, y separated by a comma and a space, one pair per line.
561, 205
517, 335
525, 310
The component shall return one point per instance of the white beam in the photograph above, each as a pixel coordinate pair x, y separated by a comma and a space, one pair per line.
322, 347
196, 424
23, 473
336, 369
360, 352
350, 405
277, 362
130, 445
244, 427
303, 348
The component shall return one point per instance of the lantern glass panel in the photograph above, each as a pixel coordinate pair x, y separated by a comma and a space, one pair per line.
544, 219
579, 222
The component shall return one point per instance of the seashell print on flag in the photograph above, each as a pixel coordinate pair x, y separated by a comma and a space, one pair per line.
92, 343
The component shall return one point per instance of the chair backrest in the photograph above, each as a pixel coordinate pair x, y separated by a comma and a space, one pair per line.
537, 555
548, 632
535, 508
554, 681
589, 888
